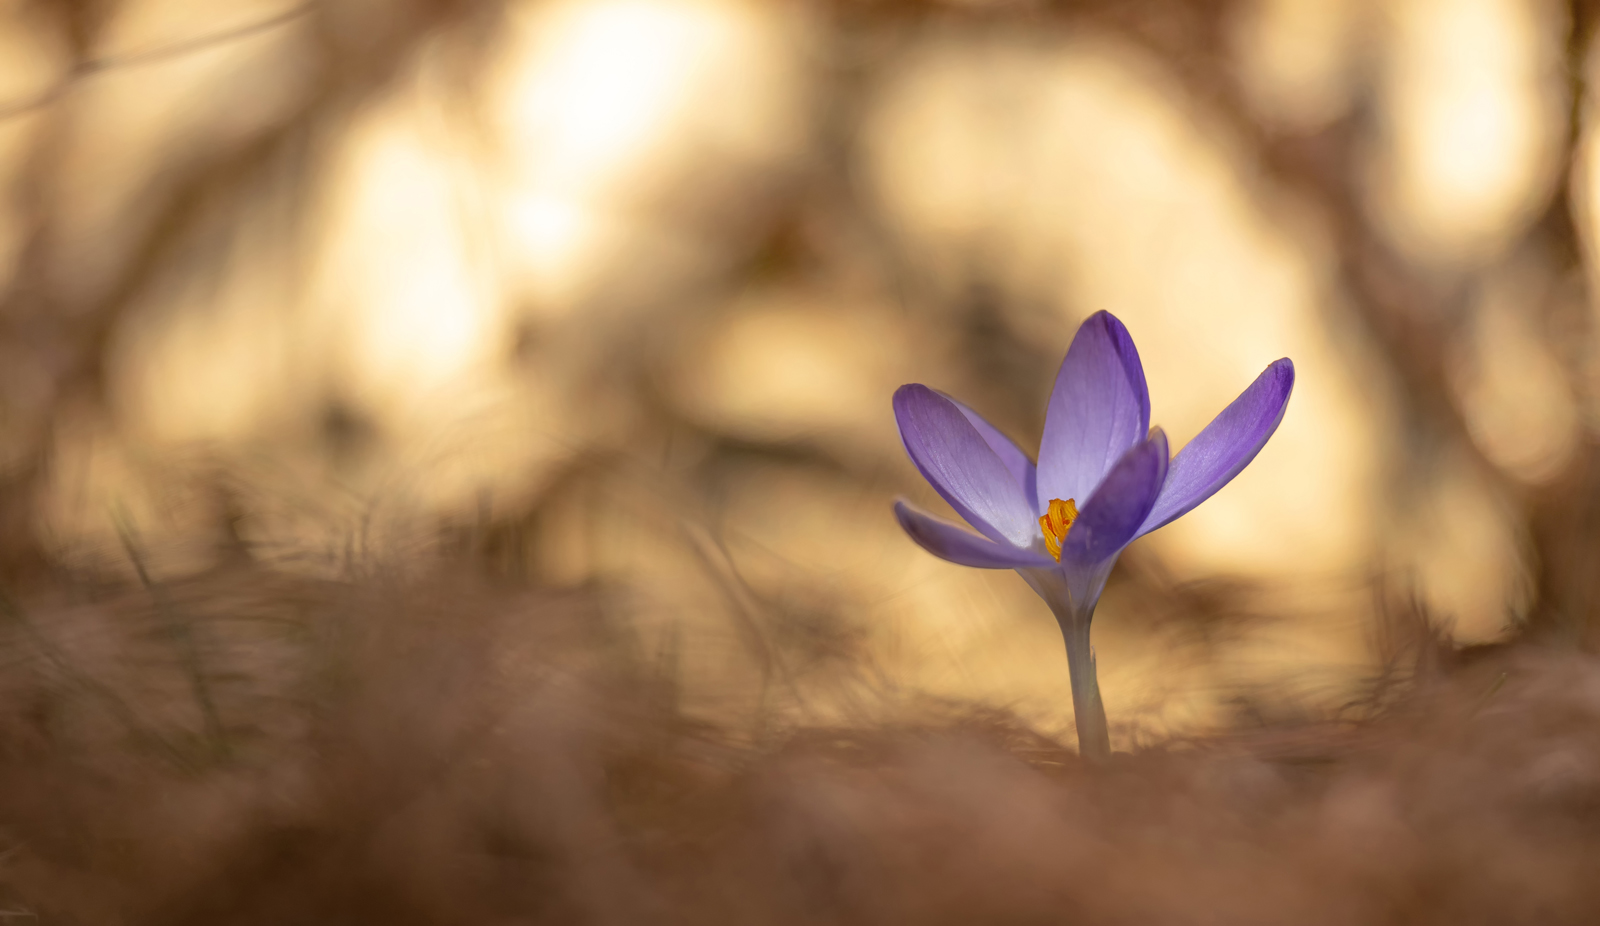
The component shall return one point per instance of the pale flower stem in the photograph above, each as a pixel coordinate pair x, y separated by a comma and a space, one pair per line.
1089, 712
1094, 739
1087, 707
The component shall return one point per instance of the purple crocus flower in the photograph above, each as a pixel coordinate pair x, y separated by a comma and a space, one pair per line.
1103, 480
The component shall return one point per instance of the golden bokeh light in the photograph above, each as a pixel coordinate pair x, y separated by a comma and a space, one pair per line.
1519, 405
1462, 554
1297, 58
431, 241
1474, 119
602, 104
450, 463
784, 365
1076, 168
150, 111
598, 84
407, 283
1585, 195
636, 282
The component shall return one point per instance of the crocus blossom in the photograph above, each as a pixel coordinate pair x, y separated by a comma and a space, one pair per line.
1103, 479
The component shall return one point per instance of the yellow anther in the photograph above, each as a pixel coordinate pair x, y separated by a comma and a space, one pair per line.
1056, 522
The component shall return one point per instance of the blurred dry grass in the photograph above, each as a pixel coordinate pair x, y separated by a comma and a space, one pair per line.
435, 749
339, 326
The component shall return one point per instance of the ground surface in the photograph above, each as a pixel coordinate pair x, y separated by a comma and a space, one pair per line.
255, 748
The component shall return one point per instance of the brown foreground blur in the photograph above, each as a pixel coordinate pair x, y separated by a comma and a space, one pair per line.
428, 749
446, 459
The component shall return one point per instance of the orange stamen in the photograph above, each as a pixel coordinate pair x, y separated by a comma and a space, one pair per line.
1056, 522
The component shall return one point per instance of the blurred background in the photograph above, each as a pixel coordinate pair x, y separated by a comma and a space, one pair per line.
613, 294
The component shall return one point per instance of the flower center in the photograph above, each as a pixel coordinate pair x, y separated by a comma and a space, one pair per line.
1056, 522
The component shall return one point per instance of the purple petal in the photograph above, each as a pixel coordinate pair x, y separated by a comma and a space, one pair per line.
1225, 447
1113, 514
959, 464
958, 545
1099, 409
1019, 464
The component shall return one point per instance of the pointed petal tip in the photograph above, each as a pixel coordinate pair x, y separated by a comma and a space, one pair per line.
1105, 318
907, 391
1280, 373
1118, 335
1226, 446
1099, 409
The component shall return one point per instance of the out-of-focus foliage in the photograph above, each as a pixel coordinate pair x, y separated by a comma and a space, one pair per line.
614, 293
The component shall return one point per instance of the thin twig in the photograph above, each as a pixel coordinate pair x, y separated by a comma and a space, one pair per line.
93, 66
182, 632
93, 686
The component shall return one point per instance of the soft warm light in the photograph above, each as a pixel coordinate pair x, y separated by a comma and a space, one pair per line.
601, 102
1473, 123
1515, 396
599, 81
28, 67
1296, 57
1459, 545
1586, 210
553, 237
411, 301
783, 364
1074, 176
